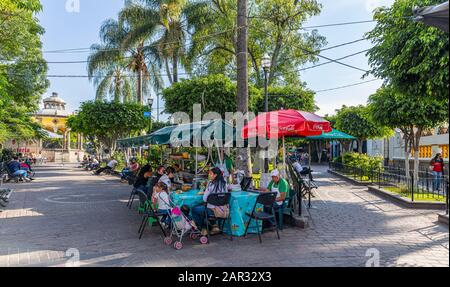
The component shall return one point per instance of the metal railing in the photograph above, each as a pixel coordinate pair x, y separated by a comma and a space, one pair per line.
427, 187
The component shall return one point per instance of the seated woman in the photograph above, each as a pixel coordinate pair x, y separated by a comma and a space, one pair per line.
217, 184
143, 177
161, 201
26, 167
131, 170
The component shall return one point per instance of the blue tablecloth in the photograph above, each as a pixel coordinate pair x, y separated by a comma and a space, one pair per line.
241, 203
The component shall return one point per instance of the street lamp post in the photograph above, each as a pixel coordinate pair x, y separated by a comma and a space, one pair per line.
150, 107
265, 63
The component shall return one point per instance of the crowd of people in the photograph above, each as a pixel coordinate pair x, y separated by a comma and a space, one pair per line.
20, 167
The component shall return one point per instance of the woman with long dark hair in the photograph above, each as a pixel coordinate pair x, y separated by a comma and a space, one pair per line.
217, 184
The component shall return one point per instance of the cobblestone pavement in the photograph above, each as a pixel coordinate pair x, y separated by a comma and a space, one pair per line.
67, 212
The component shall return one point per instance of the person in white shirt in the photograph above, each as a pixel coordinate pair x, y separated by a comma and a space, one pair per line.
110, 166
297, 167
217, 184
161, 201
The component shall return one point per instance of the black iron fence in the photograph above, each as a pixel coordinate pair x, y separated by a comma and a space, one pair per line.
428, 186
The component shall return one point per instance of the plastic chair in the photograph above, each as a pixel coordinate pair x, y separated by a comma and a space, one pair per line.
267, 200
149, 214
219, 200
246, 183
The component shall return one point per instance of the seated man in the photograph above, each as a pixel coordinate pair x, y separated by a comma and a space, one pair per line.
131, 170
14, 168
110, 166
94, 164
281, 187
297, 167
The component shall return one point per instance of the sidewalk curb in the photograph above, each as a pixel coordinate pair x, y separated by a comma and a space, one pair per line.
349, 179
406, 202
443, 219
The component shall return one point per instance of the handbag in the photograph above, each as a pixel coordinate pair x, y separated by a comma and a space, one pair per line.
431, 168
222, 211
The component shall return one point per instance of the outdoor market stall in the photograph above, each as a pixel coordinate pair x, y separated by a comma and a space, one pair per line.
286, 123
334, 135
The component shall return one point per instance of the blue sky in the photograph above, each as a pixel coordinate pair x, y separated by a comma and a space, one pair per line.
79, 29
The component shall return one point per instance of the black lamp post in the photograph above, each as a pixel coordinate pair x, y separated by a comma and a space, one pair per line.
150, 107
265, 64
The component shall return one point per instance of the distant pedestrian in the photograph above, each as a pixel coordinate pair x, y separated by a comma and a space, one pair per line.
437, 168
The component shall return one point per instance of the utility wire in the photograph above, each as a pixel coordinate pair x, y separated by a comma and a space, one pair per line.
129, 57
346, 86
84, 50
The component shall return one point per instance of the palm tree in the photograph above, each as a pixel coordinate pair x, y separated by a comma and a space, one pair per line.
116, 55
112, 80
167, 21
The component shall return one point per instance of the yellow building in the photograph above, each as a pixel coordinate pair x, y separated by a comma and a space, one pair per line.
53, 118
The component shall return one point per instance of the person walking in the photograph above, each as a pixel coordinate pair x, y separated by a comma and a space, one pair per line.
437, 168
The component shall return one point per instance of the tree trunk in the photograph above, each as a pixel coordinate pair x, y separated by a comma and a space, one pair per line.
407, 152
139, 87
243, 158
169, 74
360, 146
175, 67
416, 147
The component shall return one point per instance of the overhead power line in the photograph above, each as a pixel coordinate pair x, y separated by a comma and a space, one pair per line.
346, 86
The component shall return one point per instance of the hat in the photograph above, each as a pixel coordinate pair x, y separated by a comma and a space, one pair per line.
165, 179
275, 172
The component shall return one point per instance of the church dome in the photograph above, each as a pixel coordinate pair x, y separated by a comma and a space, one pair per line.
54, 106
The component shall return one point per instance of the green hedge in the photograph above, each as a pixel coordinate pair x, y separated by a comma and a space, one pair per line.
363, 161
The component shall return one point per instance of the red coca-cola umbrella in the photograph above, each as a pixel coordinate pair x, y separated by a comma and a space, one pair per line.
286, 123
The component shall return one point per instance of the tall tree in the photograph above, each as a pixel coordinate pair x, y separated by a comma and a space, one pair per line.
215, 93
394, 109
243, 159
409, 55
104, 123
167, 21
274, 27
356, 121
22, 68
117, 54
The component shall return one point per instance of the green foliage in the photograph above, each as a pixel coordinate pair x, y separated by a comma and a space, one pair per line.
108, 122
274, 27
363, 161
413, 57
356, 121
6, 155
216, 93
22, 68
287, 97
394, 109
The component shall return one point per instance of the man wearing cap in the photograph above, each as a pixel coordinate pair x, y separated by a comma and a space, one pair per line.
280, 186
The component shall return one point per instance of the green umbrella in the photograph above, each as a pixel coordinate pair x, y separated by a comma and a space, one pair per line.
333, 135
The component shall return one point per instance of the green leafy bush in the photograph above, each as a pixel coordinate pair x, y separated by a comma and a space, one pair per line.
361, 161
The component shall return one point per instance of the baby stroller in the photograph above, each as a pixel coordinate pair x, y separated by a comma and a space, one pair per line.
180, 226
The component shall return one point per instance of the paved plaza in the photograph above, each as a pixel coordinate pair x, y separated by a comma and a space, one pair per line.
67, 212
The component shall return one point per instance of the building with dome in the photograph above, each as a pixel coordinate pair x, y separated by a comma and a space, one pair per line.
61, 145
53, 117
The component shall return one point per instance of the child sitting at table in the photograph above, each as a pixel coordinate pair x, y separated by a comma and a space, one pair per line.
161, 200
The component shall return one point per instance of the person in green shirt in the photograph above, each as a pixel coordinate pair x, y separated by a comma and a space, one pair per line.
280, 186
